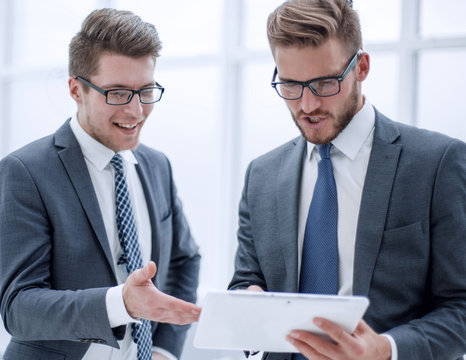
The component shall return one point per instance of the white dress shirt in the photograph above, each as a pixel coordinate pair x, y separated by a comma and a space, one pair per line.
97, 158
350, 157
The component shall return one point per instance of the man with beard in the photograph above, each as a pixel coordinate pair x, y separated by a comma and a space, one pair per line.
87, 213
357, 205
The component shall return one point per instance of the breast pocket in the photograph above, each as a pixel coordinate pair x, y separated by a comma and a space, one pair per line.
405, 243
403, 261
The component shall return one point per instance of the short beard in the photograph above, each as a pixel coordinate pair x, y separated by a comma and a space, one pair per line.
342, 121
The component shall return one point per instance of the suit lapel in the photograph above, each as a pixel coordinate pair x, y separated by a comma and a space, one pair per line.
288, 192
143, 170
375, 199
75, 166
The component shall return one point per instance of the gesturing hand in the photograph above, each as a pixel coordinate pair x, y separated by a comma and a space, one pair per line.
144, 301
363, 344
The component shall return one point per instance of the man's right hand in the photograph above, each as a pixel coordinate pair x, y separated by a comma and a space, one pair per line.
144, 301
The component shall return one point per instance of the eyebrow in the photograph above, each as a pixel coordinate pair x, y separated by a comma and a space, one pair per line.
314, 78
120, 86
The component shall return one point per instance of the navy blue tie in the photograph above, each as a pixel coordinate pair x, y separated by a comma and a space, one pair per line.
319, 262
127, 233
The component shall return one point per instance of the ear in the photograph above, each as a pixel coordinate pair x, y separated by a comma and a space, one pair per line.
363, 66
76, 90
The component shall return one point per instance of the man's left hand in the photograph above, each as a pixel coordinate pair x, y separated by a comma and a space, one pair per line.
363, 344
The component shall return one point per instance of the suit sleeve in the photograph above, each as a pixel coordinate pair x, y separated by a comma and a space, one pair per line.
443, 331
247, 268
31, 309
182, 275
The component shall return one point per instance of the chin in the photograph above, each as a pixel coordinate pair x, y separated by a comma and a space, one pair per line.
131, 146
319, 138
126, 144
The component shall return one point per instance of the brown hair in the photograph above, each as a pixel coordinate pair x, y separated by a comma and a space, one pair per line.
114, 31
303, 23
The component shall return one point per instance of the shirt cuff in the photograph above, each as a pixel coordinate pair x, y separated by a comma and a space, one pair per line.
116, 309
164, 352
393, 346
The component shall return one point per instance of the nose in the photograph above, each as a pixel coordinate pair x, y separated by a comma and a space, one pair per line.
134, 106
309, 101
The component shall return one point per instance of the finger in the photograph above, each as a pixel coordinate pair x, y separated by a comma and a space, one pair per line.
362, 328
151, 269
255, 288
314, 341
305, 348
335, 332
171, 303
345, 342
141, 276
177, 318
166, 308
158, 356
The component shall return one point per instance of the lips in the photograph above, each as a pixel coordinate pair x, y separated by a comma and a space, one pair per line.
314, 119
128, 126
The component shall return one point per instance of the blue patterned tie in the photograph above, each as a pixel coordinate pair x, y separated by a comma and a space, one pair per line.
128, 236
319, 264
319, 269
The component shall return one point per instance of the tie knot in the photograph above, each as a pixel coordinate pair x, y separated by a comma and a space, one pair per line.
117, 163
324, 150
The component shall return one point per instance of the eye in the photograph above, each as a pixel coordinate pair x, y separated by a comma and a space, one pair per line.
147, 91
119, 94
326, 86
290, 86
325, 83
147, 94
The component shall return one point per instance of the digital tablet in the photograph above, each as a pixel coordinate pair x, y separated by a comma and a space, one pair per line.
246, 320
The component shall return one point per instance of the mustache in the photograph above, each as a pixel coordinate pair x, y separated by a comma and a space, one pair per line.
313, 113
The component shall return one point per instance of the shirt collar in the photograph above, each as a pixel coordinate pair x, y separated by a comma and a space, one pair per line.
352, 138
95, 152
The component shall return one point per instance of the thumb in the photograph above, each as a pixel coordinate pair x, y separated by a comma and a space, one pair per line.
144, 274
150, 269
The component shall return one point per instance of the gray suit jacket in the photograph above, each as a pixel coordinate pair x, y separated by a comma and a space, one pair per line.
56, 264
410, 245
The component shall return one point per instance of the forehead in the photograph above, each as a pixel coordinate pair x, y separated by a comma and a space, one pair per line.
124, 70
305, 63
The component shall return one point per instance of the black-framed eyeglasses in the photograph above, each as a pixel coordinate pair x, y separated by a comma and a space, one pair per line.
147, 95
323, 86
